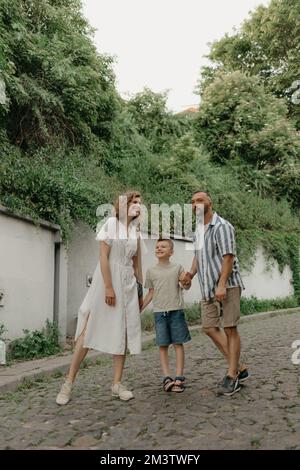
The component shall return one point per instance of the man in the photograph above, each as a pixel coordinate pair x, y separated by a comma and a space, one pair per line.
221, 284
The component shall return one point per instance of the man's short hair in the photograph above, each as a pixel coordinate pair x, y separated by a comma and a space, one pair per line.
166, 240
202, 191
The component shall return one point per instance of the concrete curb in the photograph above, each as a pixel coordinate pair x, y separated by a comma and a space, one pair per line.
12, 377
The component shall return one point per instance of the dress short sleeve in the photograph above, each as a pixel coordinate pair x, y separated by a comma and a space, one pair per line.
107, 233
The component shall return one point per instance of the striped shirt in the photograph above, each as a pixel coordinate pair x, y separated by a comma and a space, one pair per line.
219, 240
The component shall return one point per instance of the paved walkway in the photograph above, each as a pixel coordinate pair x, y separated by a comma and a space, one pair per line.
265, 414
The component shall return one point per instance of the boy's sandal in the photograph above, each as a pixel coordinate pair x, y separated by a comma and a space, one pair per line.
179, 387
168, 384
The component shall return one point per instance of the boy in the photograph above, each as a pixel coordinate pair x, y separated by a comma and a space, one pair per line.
165, 290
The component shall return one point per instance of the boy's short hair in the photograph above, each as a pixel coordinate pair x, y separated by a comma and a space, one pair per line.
166, 240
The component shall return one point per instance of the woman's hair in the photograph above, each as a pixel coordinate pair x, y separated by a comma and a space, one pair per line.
128, 197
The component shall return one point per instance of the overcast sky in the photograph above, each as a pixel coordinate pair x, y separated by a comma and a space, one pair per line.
160, 44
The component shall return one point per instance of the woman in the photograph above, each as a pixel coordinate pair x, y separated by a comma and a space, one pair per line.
109, 317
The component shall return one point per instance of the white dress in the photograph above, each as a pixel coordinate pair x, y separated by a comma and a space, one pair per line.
108, 326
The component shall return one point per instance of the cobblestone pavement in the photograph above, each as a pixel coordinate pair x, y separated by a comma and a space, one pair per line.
265, 414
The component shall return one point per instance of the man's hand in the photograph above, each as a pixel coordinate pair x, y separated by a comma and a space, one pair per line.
141, 303
110, 296
220, 293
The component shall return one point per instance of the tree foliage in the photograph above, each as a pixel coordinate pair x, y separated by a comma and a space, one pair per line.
58, 88
153, 120
267, 45
241, 123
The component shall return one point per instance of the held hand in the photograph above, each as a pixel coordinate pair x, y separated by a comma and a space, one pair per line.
185, 276
141, 304
110, 296
220, 293
185, 279
187, 285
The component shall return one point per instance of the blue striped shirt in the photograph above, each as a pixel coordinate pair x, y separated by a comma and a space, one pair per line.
219, 240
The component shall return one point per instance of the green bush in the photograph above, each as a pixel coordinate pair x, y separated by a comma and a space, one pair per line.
193, 313
254, 305
36, 344
60, 189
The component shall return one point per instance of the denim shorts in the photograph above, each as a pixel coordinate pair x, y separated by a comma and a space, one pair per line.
171, 328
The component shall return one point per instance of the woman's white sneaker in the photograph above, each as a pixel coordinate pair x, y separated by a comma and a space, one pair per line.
118, 390
64, 395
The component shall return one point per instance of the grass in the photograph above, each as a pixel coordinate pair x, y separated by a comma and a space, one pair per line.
255, 442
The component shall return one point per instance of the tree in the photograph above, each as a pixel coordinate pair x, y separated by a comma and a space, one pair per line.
154, 121
241, 122
267, 45
59, 88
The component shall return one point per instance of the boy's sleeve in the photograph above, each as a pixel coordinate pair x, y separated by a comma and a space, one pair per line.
180, 271
148, 281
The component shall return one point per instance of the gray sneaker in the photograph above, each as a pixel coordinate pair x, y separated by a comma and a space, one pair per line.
229, 386
243, 375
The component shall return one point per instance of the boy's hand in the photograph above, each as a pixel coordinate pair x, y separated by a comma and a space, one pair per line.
185, 280
185, 277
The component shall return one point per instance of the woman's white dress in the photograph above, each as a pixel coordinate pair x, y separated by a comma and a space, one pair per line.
108, 326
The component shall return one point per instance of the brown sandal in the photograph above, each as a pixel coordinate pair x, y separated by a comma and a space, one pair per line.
168, 384
179, 387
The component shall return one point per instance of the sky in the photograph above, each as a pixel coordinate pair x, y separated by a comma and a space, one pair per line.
161, 44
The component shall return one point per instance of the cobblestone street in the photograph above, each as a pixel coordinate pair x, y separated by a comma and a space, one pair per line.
265, 414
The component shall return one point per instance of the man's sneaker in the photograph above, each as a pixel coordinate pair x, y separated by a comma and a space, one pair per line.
229, 386
118, 390
243, 375
222, 382
64, 395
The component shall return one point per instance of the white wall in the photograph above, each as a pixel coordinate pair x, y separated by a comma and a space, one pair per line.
265, 283
27, 275
83, 255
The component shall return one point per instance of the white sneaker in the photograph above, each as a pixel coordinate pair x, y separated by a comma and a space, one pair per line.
64, 395
120, 391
